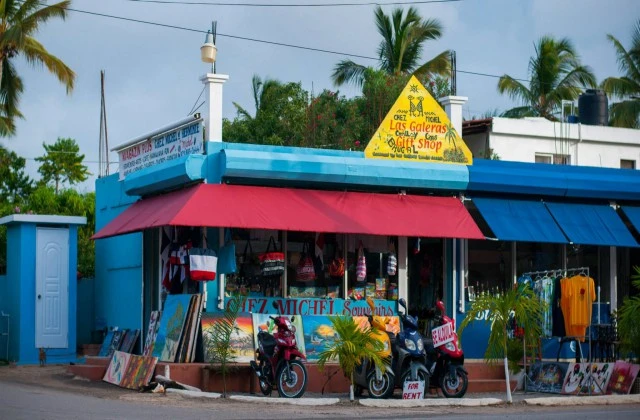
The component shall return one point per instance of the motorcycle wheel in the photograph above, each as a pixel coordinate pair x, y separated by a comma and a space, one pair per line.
292, 382
422, 376
380, 389
454, 386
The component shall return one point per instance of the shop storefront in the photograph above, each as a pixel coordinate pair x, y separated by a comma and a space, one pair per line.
456, 226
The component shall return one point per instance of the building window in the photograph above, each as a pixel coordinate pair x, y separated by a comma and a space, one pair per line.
627, 164
555, 159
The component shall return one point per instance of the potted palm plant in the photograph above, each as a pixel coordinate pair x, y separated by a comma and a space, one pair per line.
629, 320
521, 303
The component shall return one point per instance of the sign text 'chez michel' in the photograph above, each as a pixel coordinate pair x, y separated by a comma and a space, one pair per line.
163, 147
417, 129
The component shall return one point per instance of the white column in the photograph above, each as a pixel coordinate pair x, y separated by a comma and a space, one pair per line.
453, 108
213, 105
613, 276
403, 263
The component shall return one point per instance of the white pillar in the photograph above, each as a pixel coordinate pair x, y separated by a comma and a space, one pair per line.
403, 266
213, 105
453, 108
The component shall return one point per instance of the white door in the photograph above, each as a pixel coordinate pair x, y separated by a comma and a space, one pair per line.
52, 287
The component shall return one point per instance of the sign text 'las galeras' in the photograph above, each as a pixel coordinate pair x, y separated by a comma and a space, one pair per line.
417, 129
163, 147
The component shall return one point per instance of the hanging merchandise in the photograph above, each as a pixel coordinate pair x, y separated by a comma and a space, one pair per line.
361, 267
336, 268
392, 261
249, 272
272, 262
305, 271
416, 246
227, 255
203, 263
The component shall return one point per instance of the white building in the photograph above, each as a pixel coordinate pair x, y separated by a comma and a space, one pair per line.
543, 141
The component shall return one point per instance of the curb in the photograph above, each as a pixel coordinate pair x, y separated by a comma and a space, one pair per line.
592, 400
431, 402
291, 401
193, 394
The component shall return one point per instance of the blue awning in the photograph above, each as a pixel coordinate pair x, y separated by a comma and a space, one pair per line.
633, 213
520, 220
591, 224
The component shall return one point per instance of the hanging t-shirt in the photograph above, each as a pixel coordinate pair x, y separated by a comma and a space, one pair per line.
558, 329
582, 296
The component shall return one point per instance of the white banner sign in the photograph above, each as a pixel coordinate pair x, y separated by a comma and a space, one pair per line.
182, 141
413, 390
442, 334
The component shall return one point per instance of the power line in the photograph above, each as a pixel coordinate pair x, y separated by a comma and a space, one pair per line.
203, 3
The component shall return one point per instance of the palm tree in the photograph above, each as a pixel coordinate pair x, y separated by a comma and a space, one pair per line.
400, 48
555, 73
19, 21
521, 303
350, 348
627, 87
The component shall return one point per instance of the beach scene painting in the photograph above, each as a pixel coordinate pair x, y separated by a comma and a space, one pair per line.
318, 334
241, 339
262, 322
174, 316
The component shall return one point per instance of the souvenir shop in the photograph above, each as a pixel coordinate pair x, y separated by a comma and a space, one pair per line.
316, 231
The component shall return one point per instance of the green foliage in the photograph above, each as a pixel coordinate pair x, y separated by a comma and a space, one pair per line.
351, 346
521, 303
627, 112
14, 183
220, 337
403, 37
20, 20
555, 73
629, 319
62, 162
515, 354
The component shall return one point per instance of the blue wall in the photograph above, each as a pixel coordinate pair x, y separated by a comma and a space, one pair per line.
12, 301
86, 310
119, 281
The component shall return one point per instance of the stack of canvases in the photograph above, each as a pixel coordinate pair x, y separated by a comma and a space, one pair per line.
175, 338
123, 340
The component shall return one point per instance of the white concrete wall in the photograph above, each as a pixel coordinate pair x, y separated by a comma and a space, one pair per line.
520, 139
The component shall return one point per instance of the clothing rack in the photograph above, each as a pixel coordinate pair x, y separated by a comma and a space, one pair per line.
565, 272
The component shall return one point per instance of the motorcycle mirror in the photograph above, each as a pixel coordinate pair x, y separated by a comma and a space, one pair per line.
293, 319
403, 303
275, 306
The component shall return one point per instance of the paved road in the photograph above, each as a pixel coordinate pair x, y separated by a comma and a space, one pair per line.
19, 401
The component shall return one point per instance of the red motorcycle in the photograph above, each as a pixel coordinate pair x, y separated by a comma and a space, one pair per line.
279, 363
445, 362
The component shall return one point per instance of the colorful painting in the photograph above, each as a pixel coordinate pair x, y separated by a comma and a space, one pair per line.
318, 334
151, 333
393, 323
241, 338
587, 378
138, 372
171, 325
129, 341
262, 322
104, 349
546, 377
117, 367
622, 378
115, 342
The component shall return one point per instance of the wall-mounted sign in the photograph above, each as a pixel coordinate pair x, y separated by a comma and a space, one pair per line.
417, 129
181, 141
260, 305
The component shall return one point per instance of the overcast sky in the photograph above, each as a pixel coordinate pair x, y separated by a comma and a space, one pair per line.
152, 72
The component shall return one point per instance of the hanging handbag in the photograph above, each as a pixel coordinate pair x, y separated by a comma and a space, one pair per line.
227, 255
272, 262
203, 263
305, 271
361, 266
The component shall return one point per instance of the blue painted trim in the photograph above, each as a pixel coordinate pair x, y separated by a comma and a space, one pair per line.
316, 167
166, 176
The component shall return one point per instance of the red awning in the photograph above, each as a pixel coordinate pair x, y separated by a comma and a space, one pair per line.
238, 206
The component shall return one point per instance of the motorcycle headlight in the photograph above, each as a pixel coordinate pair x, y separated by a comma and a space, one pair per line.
420, 345
449, 346
409, 344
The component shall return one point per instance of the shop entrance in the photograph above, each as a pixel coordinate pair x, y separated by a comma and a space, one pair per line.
425, 274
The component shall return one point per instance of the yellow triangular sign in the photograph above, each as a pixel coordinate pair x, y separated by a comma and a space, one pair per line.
417, 129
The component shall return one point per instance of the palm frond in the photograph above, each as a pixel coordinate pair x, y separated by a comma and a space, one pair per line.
514, 89
625, 114
346, 71
620, 86
628, 62
35, 53
438, 65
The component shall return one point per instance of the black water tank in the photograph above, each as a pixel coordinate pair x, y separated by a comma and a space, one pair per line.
593, 107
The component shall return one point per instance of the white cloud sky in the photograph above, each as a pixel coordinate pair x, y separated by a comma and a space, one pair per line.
152, 73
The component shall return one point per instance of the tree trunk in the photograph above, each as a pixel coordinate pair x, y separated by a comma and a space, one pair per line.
506, 375
351, 397
1, 67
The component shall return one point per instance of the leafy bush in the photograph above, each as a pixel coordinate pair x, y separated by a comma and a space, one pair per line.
629, 319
